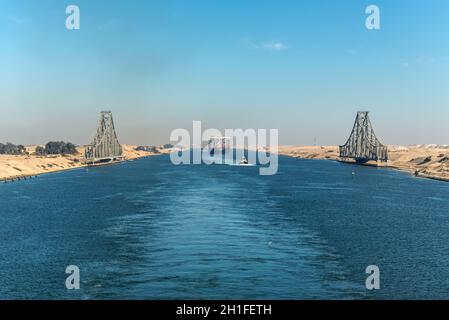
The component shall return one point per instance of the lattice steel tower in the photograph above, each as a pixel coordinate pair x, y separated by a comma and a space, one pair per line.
363, 145
105, 144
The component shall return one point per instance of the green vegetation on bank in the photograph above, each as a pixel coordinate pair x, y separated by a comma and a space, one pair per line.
147, 149
10, 148
57, 147
52, 147
154, 149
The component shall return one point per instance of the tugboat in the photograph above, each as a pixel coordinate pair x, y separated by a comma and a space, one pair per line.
243, 160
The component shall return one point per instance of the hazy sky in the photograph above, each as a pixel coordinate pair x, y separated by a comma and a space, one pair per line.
304, 67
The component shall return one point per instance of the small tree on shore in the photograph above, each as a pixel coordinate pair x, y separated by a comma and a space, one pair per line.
60, 147
40, 151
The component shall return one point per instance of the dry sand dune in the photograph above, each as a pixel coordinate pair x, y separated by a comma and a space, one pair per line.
422, 160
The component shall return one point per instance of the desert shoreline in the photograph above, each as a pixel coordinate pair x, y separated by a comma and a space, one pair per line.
422, 161
427, 161
23, 167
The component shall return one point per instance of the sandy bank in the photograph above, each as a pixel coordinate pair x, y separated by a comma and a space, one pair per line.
427, 161
15, 167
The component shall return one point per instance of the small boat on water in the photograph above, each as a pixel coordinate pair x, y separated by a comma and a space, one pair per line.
243, 160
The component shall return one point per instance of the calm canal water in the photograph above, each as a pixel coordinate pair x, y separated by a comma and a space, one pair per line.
151, 230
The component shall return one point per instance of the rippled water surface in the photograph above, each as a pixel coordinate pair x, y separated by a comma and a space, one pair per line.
148, 229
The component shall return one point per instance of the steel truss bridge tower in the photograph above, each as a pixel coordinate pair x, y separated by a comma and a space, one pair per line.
363, 145
105, 146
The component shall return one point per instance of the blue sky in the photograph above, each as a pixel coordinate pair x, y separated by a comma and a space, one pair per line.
304, 67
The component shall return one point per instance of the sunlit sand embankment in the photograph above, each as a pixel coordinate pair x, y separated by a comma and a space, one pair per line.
429, 161
16, 167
